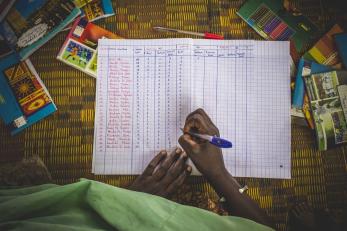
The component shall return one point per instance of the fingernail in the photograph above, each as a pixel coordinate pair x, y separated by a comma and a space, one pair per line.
189, 168
163, 152
178, 150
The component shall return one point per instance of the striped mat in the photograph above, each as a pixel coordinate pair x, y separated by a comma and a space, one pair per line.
65, 140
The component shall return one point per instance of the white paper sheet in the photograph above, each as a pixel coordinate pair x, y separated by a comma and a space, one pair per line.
146, 88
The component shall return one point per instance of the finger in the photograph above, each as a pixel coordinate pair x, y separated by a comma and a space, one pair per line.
175, 170
209, 122
154, 163
189, 145
198, 111
199, 123
179, 165
193, 113
195, 123
179, 181
205, 118
166, 164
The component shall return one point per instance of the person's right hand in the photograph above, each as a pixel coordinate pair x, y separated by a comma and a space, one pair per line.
207, 158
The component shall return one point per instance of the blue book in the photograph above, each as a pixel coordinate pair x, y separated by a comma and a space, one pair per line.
24, 99
341, 44
305, 68
31, 23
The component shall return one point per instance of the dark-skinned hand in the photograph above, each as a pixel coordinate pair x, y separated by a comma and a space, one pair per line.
164, 174
207, 158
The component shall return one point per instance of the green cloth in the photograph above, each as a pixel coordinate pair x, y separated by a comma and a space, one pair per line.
91, 205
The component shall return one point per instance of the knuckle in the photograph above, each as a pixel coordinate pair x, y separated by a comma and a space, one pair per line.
172, 173
160, 171
152, 166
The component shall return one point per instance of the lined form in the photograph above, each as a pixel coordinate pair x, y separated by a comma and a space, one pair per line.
146, 88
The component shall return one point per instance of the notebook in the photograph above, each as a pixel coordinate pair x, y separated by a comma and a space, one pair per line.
146, 88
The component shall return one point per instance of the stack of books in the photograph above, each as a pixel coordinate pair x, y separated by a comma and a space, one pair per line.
320, 90
25, 26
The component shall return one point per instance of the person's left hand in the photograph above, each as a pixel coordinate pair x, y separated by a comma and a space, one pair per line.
164, 174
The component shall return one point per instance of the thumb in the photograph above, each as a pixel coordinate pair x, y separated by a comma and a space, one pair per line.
189, 145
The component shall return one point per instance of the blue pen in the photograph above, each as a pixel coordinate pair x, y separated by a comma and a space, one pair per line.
217, 141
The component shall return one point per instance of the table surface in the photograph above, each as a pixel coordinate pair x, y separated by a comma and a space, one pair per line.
65, 140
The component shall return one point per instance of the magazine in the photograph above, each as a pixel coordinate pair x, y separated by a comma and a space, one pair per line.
31, 23
24, 99
80, 47
327, 94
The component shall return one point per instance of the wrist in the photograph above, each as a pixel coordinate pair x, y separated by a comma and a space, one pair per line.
218, 175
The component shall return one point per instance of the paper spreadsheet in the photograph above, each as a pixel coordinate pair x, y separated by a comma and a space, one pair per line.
146, 88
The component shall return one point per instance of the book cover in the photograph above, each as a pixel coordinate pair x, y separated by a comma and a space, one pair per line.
305, 68
80, 47
95, 9
31, 23
300, 99
24, 99
328, 98
271, 21
325, 51
341, 44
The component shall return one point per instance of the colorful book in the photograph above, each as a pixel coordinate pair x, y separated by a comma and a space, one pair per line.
31, 23
305, 68
271, 21
341, 44
300, 100
80, 47
24, 99
325, 51
327, 93
95, 9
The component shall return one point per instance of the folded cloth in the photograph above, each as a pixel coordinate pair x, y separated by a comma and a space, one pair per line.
91, 205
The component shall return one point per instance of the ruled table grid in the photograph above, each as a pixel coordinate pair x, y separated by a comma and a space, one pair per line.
146, 88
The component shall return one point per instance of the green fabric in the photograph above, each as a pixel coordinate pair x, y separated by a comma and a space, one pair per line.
91, 205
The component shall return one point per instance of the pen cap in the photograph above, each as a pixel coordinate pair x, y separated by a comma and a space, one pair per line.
222, 143
213, 36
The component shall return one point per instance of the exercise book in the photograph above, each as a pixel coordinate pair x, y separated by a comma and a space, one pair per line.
146, 88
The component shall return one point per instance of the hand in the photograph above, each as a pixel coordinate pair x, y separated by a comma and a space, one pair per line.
207, 158
164, 174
